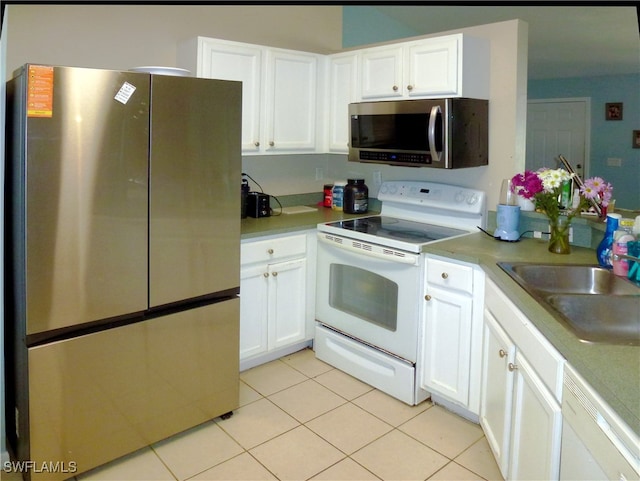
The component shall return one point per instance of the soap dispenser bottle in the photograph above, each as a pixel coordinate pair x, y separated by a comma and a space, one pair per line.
604, 248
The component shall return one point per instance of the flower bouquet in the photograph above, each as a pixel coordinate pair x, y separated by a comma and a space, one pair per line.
544, 188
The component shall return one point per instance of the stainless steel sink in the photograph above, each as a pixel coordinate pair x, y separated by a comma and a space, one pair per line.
592, 302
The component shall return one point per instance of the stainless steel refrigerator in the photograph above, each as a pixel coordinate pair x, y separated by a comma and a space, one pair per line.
122, 261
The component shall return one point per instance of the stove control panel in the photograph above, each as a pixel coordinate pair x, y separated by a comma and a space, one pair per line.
433, 195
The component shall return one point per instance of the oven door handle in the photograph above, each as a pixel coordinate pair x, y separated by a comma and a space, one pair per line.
371, 250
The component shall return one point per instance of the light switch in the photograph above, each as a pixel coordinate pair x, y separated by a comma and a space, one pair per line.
614, 162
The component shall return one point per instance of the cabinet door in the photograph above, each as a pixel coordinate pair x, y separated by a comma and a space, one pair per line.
382, 73
291, 89
287, 302
497, 390
254, 283
343, 76
432, 67
242, 63
447, 345
537, 426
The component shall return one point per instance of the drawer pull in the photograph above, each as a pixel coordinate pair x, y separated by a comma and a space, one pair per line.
502, 353
427, 297
270, 251
444, 275
512, 367
266, 274
274, 274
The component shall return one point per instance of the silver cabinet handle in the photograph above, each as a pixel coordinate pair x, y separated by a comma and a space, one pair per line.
427, 297
274, 274
271, 143
256, 143
409, 88
395, 88
444, 275
266, 274
502, 353
270, 251
512, 367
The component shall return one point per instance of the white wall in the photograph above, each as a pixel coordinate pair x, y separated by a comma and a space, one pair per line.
125, 36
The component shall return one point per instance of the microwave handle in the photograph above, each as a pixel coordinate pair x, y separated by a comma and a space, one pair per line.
435, 110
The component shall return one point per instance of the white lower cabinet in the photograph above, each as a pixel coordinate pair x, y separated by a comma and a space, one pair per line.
450, 347
274, 299
520, 409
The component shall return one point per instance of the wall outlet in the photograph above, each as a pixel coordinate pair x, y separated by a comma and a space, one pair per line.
614, 162
319, 173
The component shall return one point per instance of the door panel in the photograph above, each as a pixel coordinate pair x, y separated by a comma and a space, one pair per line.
194, 246
86, 201
557, 127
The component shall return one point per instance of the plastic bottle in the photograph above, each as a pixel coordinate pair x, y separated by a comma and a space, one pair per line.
603, 252
356, 197
327, 200
620, 239
635, 230
337, 198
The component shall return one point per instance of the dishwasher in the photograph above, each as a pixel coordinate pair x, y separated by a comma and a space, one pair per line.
596, 443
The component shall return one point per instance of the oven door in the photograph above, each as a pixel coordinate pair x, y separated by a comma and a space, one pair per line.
370, 293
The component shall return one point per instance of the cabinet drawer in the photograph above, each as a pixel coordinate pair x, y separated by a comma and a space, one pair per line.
450, 275
273, 249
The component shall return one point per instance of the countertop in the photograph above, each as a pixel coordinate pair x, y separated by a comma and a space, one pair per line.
612, 370
285, 223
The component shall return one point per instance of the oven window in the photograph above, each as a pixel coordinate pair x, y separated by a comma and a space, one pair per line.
364, 294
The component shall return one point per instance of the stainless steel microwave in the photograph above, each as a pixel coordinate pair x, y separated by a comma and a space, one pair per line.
446, 133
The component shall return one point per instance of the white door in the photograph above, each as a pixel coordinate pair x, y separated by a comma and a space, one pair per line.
558, 126
343, 90
231, 61
291, 90
382, 73
432, 67
537, 426
447, 353
497, 390
254, 284
287, 303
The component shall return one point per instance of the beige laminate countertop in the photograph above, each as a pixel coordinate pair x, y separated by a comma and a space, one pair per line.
612, 370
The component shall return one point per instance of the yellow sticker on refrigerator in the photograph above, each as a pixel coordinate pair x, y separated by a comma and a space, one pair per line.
40, 91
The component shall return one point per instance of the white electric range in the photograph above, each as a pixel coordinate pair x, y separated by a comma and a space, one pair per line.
370, 278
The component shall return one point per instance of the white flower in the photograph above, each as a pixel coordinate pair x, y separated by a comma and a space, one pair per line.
553, 178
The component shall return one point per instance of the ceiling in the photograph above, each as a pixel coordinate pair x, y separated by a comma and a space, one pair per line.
564, 41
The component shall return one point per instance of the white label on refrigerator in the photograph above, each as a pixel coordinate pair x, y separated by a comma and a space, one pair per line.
125, 93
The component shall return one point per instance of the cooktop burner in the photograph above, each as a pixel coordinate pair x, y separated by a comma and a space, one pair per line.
397, 229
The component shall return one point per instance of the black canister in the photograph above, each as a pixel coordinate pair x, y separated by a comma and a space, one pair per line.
244, 191
356, 197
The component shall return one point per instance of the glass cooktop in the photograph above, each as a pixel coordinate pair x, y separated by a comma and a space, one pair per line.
397, 229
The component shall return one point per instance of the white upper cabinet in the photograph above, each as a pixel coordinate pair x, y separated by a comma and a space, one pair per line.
279, 90
449, 66
291, 96
342, 82
297, 102
382, 75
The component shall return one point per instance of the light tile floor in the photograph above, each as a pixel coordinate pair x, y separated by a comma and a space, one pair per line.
301, 419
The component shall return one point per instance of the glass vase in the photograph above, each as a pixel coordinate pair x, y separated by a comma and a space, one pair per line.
559, 235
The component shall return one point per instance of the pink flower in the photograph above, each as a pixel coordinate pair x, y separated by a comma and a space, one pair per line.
527, 184
597, 188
